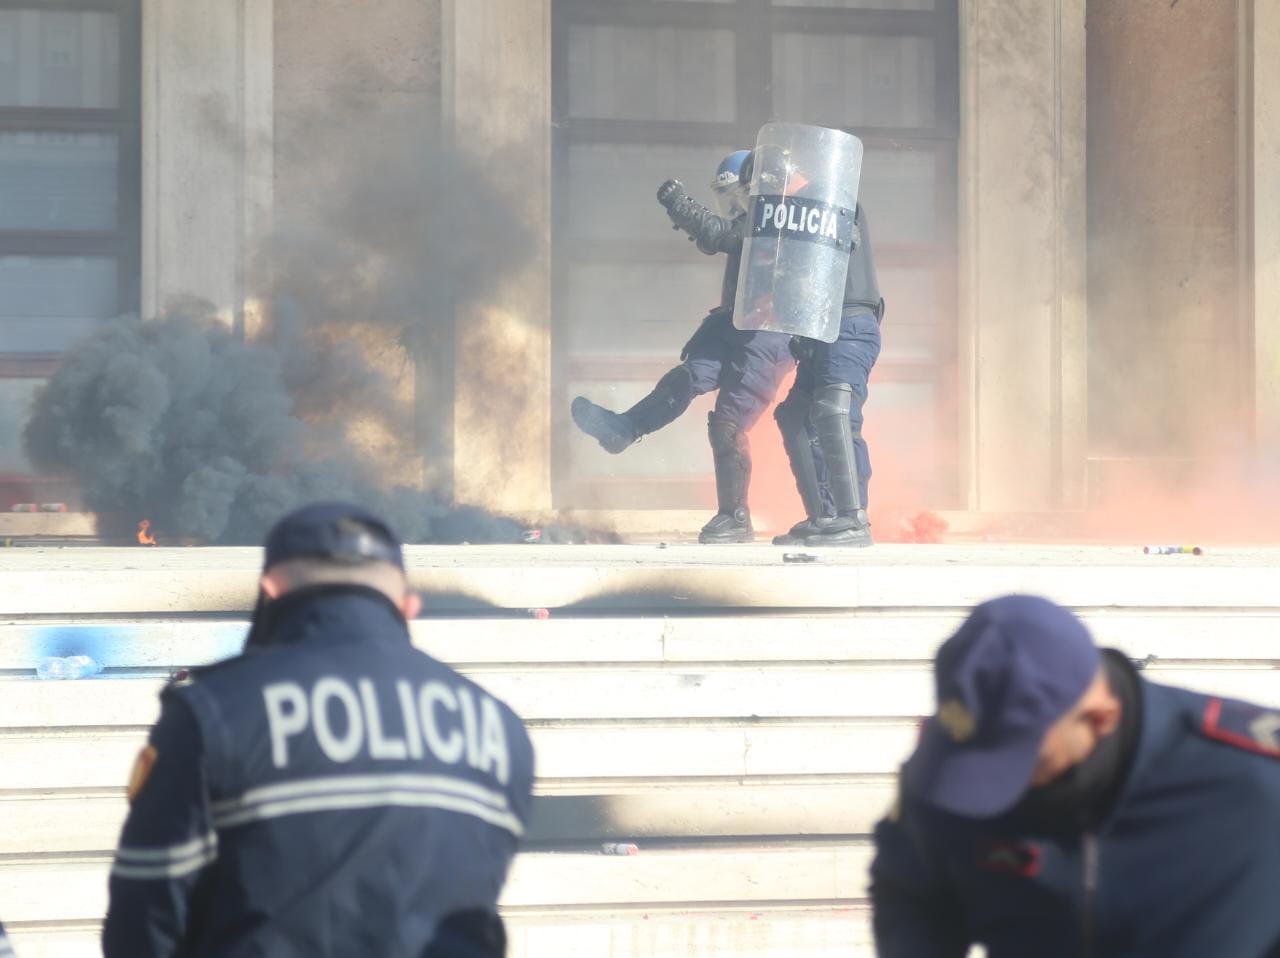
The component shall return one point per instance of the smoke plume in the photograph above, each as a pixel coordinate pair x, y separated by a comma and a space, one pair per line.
212, 435
179, 421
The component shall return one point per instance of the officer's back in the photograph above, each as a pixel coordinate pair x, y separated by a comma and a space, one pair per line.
333, 791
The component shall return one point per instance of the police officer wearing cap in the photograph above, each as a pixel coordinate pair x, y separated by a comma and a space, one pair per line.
1059, 804
330, 792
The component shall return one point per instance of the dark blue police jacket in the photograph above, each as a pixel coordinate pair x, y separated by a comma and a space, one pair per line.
6, 950
1186, 865
334, 793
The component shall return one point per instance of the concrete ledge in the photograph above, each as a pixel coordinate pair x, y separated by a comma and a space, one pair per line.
32, 524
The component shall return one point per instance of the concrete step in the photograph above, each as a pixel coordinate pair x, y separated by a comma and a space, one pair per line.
627, 693
163, 644
73, 888
85, 581
77, 821
758, 931
740, 718
604, 754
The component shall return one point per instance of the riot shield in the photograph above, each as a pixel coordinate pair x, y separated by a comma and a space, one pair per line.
804, 190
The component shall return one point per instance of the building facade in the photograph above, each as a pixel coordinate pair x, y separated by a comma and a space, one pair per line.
1064, 193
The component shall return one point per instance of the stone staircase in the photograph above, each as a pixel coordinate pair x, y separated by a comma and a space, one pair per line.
738, 718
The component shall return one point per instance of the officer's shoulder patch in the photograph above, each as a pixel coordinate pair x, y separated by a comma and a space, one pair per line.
181, 678
141, 771
1244, 725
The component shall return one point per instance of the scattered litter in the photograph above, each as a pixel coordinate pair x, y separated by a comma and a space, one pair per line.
532, 535
662, 545
539, 613
53, 507
798, 557
619, 848
67, 667
24, 507
1172, 550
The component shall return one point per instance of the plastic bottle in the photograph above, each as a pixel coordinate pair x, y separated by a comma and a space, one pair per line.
619, 848
67, 667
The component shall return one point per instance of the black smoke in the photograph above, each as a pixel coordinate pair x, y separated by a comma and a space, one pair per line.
212, 435
180, 421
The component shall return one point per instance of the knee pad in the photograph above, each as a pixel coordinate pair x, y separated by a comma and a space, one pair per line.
834, 400
725, 436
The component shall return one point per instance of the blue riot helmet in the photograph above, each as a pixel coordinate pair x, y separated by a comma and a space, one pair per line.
731, 181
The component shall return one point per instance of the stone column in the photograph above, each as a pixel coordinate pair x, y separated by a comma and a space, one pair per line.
497, 95
1265, 225
1022, 250
206, 151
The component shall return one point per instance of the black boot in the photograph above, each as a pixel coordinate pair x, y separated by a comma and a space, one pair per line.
732, 458
792, 416
616, 431
835, 438
799, 534
728, 527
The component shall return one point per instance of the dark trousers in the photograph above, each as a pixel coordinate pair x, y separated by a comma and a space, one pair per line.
746, 367
848, 360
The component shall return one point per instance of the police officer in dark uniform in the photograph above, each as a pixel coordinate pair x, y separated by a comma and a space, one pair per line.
821, 418
6, 949
1059, 804
747, 367
332, 791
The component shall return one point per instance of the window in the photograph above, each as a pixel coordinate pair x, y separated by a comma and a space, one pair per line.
69, 186
648, 89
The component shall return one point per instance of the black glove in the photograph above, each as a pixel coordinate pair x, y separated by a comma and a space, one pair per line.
671, 192
801, 349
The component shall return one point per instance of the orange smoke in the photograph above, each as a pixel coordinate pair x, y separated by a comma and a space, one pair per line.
1184, 501
775, 504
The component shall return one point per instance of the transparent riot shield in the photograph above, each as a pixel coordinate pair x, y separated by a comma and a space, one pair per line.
804, 190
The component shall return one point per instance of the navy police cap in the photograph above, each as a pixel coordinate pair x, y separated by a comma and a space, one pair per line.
334, 531
1014, 667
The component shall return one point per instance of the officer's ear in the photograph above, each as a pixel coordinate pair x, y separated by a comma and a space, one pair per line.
410, 605
272, 585
1102, 708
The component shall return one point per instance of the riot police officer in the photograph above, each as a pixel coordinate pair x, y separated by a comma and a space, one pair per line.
746, 366
821, 417
6, 949
1059, 804
332, 790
